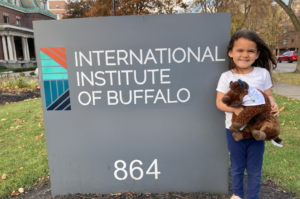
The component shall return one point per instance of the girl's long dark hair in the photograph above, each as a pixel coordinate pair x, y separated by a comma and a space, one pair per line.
266, 58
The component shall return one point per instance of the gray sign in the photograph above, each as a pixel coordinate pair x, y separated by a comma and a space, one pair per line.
129, 103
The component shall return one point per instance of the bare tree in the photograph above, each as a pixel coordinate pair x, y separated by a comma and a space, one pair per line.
288, 9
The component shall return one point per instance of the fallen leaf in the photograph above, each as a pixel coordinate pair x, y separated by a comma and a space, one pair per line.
42, 134
29, 111
284, 160
15, 193
6, 113
3, 176
21, 190
12, 127
17, 134
6, 103
275, 152
36, 138
291, 177
21, 168
39, 124
34, 117
20, 147
282, 108
282, 124
3, 119
0, 127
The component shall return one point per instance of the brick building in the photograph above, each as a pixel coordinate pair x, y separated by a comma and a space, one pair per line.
58, 7
287, 40
16, 31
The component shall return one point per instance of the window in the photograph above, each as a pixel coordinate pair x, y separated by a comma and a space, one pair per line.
284, 41
5, 19
284, 31
18, 22
292, 41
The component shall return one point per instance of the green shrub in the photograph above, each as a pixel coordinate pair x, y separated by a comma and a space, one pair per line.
16, 70
31, 73
20, 82
22, 74
3, 67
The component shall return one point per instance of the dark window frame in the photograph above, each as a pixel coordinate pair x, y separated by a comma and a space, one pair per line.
18, 22
5, 19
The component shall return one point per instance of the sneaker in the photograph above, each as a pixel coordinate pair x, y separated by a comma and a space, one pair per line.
235, 197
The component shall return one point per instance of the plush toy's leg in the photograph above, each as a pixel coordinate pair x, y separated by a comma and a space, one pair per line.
237, 136
235, 127
278, 140
258, 135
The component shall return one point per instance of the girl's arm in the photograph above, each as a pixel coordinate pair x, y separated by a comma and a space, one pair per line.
274, 106
224, 107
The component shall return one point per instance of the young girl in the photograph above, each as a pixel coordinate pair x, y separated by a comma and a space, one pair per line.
251, 61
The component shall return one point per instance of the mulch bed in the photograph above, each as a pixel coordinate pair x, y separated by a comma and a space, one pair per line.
269, 190
11, 96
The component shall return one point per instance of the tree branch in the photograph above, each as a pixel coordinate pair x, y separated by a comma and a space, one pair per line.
290, 4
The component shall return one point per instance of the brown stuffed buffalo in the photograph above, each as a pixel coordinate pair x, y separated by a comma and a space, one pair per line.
259, 121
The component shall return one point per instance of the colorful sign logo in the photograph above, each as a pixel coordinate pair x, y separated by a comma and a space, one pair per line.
55, 78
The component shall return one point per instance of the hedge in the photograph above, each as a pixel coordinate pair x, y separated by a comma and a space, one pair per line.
23, 69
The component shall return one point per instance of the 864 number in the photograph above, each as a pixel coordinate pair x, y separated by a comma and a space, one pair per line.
131, 169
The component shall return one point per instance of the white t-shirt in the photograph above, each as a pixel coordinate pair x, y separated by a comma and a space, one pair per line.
259, 78
253, 98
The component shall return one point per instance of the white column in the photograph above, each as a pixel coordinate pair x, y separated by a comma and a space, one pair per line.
278, 52
27, 48
10, 51
13, 47
24, 49
4, 47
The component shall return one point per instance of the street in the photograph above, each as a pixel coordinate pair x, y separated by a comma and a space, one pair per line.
285, 67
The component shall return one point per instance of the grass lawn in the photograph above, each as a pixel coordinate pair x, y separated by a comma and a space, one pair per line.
289, 78
282, 165
23, 155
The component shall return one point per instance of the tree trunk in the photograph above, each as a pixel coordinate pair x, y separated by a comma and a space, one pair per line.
295, 22
298, 62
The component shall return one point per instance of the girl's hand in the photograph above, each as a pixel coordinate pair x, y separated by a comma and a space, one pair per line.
275, 110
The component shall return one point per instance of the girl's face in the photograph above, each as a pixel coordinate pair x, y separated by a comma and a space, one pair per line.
244, 53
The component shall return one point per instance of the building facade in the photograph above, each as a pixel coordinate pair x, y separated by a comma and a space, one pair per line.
58, 7
287, 40
16, 31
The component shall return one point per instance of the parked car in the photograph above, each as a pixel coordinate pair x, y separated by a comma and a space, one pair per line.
288, 56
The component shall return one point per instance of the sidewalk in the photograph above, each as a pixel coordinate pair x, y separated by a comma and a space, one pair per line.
289, 90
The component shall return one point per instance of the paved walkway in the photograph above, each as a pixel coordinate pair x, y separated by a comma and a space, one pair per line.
288, 90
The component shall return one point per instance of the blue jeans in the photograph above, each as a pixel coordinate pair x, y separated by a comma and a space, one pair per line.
246, 154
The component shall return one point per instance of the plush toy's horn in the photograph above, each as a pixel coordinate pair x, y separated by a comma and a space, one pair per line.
230, 83
242, 84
